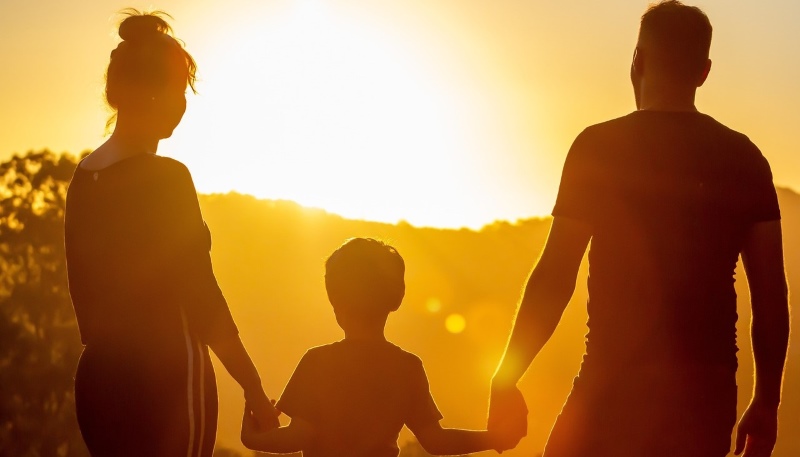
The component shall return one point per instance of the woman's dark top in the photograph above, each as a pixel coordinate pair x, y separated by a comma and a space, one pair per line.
138, 255
147, 305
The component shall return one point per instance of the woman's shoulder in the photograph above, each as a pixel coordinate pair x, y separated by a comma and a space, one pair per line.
167, 171
169, 165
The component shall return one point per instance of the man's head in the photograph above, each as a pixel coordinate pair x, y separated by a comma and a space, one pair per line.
364, 279
674, 43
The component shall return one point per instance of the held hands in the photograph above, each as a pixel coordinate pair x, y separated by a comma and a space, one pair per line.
508, 416
250, 428
757, 430
261, 410
500, 440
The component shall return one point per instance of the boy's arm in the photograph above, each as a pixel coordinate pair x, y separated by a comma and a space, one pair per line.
452, 441
291, 438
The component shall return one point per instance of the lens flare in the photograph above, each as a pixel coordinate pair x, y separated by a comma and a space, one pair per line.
455, 323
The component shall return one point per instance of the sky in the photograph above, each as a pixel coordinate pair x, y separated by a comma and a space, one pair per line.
445, 113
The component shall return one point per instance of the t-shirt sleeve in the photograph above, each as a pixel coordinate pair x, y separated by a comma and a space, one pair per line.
422, 409
761, 199
298, 398
580, 184
205, 306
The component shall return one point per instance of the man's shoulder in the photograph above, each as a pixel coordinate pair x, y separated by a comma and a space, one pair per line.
611, 124
702, 124
618, 128
725, 131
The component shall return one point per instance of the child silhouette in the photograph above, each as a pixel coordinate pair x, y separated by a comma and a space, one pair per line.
353, 396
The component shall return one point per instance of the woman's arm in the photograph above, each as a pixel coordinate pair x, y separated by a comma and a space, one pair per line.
292, 438
187, 244
237, 362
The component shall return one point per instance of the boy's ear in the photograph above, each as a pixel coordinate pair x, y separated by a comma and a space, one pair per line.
399, 299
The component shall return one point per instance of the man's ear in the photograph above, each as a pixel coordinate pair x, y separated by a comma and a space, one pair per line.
704, 74
637, 63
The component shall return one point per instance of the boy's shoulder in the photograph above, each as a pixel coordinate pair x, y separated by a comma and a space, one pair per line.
383, 351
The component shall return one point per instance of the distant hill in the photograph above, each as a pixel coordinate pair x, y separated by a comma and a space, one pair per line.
268, 257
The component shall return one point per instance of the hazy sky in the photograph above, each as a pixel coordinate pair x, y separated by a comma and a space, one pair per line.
438, 112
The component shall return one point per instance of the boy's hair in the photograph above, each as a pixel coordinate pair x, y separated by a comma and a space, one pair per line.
365, 276
678, 37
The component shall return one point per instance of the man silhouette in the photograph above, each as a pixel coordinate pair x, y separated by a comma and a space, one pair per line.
669, 198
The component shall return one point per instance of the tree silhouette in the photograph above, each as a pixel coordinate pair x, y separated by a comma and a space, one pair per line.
39, 340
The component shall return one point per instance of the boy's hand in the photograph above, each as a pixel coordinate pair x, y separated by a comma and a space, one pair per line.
249, 427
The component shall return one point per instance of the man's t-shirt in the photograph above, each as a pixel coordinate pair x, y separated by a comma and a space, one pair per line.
670, 197
358, 395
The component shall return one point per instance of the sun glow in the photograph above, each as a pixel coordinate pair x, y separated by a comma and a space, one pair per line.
455, 323
336, 111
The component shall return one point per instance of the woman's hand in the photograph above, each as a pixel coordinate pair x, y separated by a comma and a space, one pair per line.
234, 357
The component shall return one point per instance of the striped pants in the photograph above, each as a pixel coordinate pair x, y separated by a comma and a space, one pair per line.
154, 401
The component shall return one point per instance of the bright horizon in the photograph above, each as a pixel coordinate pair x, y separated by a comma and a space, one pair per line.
445, 114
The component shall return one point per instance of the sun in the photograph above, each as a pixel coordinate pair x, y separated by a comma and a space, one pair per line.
339, 112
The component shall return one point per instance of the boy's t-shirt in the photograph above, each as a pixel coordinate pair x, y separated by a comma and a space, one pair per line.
358, 395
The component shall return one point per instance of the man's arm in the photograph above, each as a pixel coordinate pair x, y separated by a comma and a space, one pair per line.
762, 256
547, 293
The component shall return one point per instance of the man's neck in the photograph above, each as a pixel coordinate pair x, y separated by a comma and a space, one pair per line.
667, 99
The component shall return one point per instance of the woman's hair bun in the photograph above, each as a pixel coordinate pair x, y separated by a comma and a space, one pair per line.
142, 26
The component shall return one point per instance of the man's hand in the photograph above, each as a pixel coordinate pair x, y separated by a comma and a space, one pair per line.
263, 411
504, 437
757, 430
508, 415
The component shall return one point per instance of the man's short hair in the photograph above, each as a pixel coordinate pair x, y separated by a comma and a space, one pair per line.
365, 276
677, 38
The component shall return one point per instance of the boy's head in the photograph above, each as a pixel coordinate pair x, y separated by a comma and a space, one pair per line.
364, 278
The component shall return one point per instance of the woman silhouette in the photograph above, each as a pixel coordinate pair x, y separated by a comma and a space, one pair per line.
144, 293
